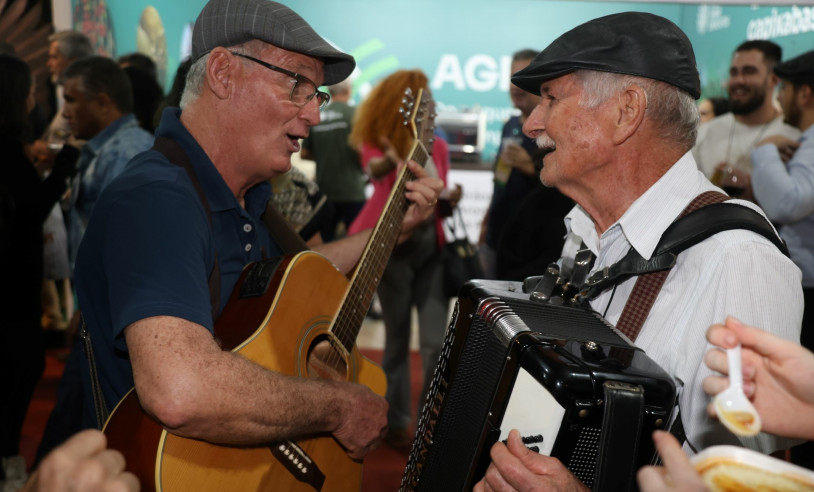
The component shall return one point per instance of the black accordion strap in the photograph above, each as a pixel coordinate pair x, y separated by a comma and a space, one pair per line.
619, 439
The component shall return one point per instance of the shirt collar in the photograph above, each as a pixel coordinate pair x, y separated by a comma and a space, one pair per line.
96, 143
218, 194
646, 219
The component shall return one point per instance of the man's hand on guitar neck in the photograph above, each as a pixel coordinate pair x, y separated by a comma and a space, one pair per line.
423, 193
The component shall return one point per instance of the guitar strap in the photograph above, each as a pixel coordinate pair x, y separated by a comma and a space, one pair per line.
283, 234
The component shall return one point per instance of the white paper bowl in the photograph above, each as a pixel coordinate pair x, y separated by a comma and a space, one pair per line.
707, 460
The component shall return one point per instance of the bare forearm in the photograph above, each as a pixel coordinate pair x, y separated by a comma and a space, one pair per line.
195, 389
345, 252
252, 405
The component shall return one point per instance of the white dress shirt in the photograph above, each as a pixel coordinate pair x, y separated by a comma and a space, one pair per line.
724, 139
734, 272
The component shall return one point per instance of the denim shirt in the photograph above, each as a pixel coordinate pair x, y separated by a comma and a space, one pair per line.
102, 159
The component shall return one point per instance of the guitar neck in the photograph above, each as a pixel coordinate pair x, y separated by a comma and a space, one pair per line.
377, 252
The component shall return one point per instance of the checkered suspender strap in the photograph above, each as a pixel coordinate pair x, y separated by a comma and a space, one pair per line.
648, 285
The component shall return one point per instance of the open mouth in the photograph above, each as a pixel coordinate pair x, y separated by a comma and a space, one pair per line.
295, 142
739, 91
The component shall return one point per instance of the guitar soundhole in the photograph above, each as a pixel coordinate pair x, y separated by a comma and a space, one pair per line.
327, 360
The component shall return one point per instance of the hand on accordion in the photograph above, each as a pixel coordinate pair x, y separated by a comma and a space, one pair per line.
515, 467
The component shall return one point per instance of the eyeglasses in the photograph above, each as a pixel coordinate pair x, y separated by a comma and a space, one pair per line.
304, 89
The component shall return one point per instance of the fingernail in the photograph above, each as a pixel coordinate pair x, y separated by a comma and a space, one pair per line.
749, 371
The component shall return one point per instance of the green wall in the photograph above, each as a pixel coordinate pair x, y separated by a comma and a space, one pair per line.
465, 45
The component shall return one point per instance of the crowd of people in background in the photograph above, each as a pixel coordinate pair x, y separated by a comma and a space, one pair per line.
754, 144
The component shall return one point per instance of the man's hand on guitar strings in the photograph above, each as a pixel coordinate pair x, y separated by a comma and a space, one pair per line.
423, 193
362, 419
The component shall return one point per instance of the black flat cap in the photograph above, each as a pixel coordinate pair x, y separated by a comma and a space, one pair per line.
232, 22
799, 70
630, 43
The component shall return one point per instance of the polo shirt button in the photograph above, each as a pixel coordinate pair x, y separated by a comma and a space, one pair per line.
247, 227
248, 247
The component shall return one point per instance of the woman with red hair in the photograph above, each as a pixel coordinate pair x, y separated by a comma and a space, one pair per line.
413, 276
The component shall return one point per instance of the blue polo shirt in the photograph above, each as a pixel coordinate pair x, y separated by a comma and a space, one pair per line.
149, 249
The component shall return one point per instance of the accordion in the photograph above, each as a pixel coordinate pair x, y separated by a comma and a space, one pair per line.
574, 386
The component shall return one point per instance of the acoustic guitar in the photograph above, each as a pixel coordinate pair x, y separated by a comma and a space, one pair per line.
297, 315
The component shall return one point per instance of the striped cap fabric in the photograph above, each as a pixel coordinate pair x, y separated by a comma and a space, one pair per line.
232, 22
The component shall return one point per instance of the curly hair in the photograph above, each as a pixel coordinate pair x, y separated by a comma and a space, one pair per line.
378, 115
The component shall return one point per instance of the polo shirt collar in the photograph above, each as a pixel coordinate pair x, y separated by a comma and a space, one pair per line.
218, 194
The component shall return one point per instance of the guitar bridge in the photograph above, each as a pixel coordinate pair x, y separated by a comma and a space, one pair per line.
298, 463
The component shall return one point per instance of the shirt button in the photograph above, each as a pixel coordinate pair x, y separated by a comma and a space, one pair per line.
248, 247
247, 227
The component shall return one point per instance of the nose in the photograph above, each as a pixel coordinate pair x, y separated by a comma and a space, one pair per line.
310, 112
534, 125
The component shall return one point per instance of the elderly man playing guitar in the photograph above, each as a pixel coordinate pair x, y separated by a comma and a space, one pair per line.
168, 246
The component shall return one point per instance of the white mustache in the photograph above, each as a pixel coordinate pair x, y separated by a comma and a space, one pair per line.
545, 142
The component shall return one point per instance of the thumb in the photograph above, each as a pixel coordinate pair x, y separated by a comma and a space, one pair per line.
756, 339
517, 448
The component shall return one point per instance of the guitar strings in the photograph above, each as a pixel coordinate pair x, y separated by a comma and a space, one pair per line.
348, 324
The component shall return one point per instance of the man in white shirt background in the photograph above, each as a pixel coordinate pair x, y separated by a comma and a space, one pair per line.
724, 144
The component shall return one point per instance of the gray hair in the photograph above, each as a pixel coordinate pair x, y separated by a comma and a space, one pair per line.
195, 79
340, 87
672, 110
72, 44
197, 72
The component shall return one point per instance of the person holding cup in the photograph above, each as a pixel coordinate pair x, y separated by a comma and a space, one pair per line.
513, 244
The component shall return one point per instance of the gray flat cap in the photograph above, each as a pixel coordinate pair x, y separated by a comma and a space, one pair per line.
232, 22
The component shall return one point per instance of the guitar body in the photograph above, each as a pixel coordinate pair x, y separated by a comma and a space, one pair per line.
278, 314
296, 315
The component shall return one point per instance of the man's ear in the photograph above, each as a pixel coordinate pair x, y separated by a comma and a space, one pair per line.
219, 69
106, 107
632, 105
104, 101
774, 80
805, 96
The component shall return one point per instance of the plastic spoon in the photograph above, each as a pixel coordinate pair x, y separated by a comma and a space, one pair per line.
735, 410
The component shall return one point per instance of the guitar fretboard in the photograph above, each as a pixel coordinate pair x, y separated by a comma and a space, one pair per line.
376, 255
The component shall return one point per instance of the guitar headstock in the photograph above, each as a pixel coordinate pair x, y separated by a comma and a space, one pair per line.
418, 111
